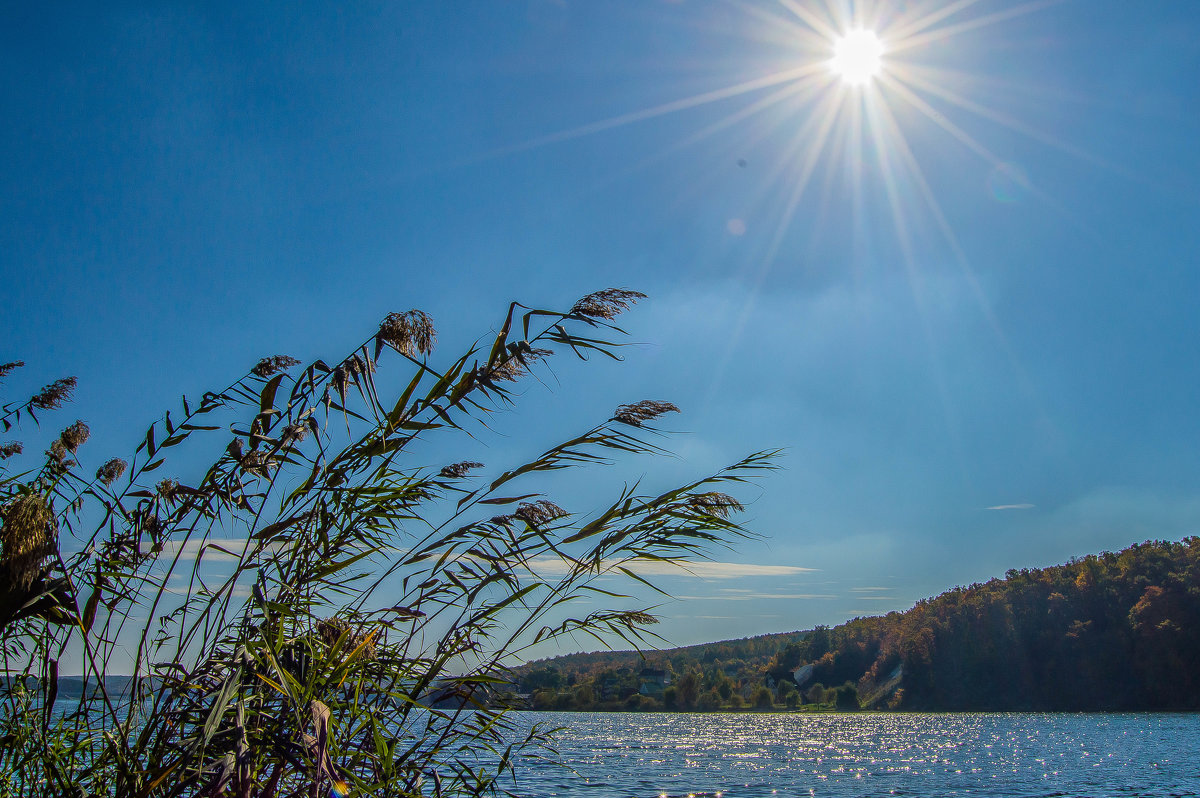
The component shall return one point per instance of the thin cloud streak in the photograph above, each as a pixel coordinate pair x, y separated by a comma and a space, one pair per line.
1012, 507
239, 591
701, 570
760, 596
213, 550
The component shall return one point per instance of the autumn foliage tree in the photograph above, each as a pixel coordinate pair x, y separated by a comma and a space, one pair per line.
1109, 631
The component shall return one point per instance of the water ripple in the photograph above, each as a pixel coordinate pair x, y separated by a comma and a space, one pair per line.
633, 755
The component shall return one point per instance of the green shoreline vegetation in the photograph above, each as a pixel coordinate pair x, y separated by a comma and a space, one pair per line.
307, 609
1107, 632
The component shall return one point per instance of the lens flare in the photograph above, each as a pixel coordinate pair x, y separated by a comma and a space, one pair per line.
1008, 183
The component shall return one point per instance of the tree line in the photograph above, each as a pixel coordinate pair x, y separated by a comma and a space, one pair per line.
1112, 631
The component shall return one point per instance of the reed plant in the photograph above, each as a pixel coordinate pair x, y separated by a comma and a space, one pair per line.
313, 612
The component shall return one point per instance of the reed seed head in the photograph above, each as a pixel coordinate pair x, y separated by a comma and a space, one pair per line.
459, 470
57, 453
11, 448
153, 526
27, 535
294, 433
721, 505
517, 365
356, 365
257, 462
639, 413
269, 366
6, 368
55, 394
606, 304
638, 618
331, 630
111, 471
167, 489
408, 333
75, 436
540, 512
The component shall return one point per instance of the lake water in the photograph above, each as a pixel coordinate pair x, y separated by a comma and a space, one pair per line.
763, 755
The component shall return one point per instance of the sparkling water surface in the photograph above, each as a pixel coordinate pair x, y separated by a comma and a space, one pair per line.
756, 755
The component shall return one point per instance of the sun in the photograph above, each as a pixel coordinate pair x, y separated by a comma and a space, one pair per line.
857, 57
853, 76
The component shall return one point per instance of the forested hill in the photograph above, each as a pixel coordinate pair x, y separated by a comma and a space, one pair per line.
1109, 631
1114, 631
751, 655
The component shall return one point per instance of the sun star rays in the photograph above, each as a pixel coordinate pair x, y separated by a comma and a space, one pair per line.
859, 98
844, 67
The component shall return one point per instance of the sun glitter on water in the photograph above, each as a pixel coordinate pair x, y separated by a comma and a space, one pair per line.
857, 57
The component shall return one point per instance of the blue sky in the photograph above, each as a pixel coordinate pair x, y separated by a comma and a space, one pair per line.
986, 300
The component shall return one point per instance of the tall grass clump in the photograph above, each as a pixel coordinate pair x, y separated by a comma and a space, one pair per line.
305, 609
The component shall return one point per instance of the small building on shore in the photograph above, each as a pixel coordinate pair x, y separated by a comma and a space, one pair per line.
654, 682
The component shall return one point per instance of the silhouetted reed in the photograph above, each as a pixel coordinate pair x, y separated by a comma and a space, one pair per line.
312, 609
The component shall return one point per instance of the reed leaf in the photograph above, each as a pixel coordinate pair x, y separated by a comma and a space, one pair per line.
313, 607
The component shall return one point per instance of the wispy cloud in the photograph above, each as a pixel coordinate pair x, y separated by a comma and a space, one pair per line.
216, 550
182, 589
701, 570
1012, 507
870, 589
760, 596
213, 549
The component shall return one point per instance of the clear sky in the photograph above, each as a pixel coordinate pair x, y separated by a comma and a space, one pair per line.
961, 295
